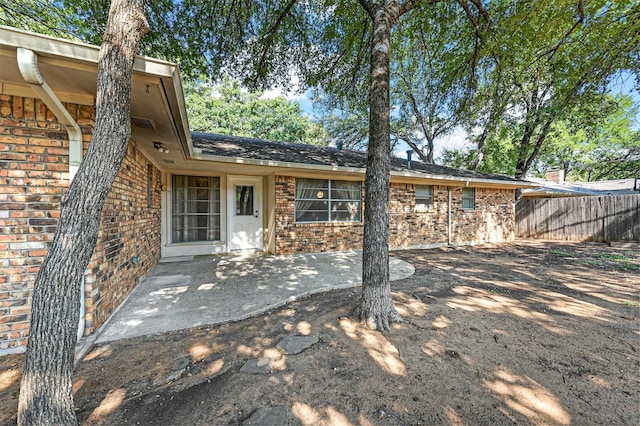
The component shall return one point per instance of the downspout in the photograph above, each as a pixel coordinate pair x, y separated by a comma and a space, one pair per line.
449, 217
28, 64
449, 213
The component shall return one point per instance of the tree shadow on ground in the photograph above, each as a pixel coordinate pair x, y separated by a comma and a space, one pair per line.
515, 333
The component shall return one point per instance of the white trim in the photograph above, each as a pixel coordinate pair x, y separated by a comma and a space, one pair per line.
273, 163
78, 51
196, 248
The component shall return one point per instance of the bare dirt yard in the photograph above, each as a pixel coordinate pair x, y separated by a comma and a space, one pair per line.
520, 333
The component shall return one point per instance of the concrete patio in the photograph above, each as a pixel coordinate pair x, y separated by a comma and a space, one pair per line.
182, 293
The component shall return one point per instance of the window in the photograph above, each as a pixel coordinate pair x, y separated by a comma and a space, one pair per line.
424, 198
244, 200
195, 209
320, 200
468, 198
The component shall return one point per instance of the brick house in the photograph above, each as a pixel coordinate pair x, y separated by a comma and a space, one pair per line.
181, 193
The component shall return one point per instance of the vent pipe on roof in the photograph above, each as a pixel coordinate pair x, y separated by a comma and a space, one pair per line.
28, 65
409, 154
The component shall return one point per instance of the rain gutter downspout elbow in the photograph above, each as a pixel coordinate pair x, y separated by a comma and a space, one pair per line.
28, 65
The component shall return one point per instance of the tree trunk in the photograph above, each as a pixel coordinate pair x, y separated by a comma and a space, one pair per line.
522, 171
46, 389
375, 306
430, 149
480, 149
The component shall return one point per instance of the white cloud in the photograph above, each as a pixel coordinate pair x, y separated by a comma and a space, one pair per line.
455, 140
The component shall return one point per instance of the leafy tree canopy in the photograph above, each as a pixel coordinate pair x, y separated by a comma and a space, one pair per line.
228, 109
559, 64
507, 76
34, 15
596, 144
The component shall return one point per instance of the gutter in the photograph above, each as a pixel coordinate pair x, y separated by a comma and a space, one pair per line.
82, 52
199, 155
28, 64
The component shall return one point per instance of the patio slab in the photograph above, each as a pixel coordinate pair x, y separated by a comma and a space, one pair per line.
210, 290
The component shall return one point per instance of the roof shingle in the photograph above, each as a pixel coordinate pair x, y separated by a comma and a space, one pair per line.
258, 149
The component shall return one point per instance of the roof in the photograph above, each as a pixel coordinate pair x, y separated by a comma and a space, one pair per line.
613, 187
210, 146
582, 189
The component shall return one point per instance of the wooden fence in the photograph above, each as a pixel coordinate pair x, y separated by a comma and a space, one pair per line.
603, 219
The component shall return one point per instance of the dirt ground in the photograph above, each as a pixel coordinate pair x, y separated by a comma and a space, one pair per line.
519, 333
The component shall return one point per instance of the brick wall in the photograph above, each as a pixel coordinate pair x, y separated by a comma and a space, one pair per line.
493, 220
33, 177
128, 241
409, 228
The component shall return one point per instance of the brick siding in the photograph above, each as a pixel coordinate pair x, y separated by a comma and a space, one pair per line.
492, 220
128, 241
33, 176
407, 227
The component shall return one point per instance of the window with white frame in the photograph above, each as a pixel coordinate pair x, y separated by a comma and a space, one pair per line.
424, 198
468, 198
195, 209
322, 200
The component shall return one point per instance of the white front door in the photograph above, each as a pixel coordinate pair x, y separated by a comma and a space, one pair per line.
244, 213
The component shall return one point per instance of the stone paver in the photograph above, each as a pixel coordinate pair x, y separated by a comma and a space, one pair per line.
180, 363
269, 416
257, 366
295, 344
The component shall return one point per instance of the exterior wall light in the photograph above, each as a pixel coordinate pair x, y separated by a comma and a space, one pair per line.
160, 147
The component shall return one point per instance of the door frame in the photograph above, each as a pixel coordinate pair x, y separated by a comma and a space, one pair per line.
256, 181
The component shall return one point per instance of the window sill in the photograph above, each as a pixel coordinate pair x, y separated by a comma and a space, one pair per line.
196, 243
328, 223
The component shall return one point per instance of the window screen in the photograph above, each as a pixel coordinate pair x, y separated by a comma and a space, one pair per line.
321, 200
468, 198
424, 197
195, 209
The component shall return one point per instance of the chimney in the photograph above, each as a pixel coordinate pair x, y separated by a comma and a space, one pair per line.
555, 175
409, 153
339, 145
